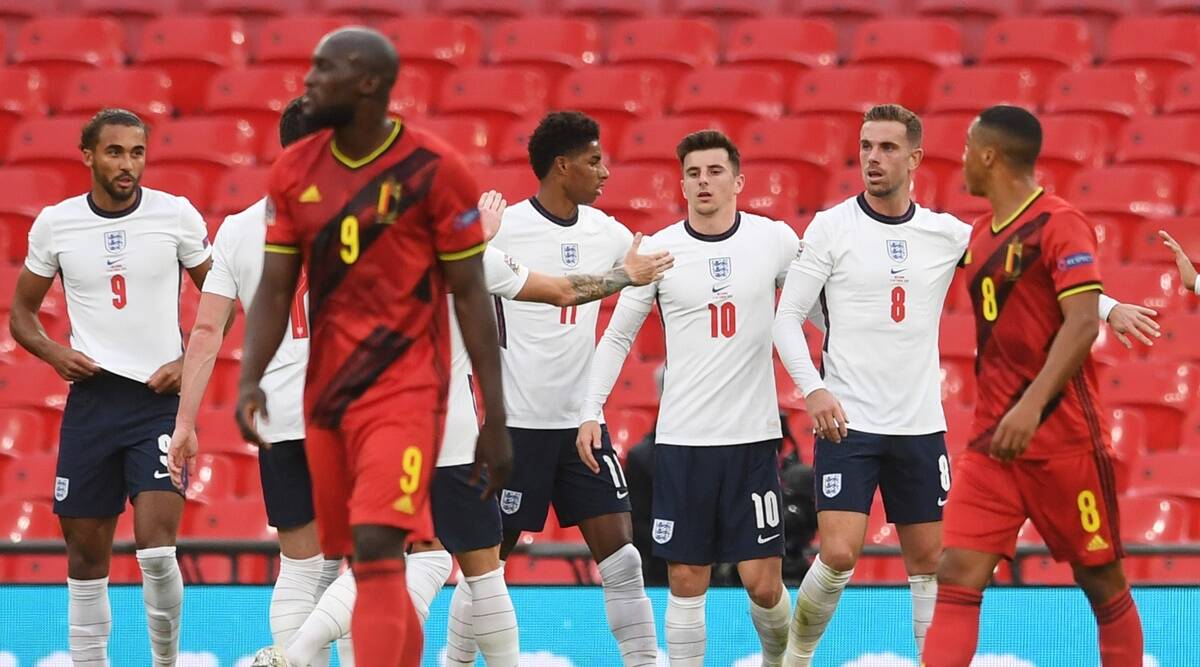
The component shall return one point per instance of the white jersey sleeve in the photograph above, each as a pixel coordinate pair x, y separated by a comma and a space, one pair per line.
627, 320
806, 278
222, 279
503, 275
193, 236
42, 259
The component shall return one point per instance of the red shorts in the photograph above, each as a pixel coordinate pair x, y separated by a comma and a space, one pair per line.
376, 468
1071, 500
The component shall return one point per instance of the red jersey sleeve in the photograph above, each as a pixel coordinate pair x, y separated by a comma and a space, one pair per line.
452, 205
282, 236
1069, 251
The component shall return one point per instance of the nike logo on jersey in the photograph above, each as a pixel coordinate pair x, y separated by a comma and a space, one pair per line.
161, 475
764, 540
718, 288
113, 261
941, 502
895, 271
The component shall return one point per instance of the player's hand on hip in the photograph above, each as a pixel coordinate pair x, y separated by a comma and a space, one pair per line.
493, 450
1015, 430
252, 402
168, 378
1187, 272
73, 365
645, 269
181, 455
829, 419
1136, 321
491, 211
589, 438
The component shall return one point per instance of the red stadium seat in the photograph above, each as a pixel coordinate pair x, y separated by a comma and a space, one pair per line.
21, 96
956, 337
1154, 287
811, 147
469, 136
847, 15
641, 196
653, 141
943, 139
959, 420
628, 427
636, 386
144, 92
28, 191
554, 46
1148, 247
1191, 197
958, 382
491, 8
60, 46
1162, 391
513, 146
1047, 46
651, 341
191, 49
1127, 193
251, 8
209, 145
290, 40
29, 477
614, 96
180, 181
371, 12
671, 45
52, 143
962, 92
609, 9
774, 192
1128, 435
435, 45
1189, 439
218, 434
1168, 474
843, 94
412, 95
1108, 350
1171, 143
515, 182
954, 198
228, 519
23, 432
498, 95
1170, 7
238, 188
728, 9
214, 479
972, 16
27, 521
1182, 95
1178, 339
730, 94
917, 48
1111, 95
1069, 144
1163, 45
784, 45
258, 95
1114, 238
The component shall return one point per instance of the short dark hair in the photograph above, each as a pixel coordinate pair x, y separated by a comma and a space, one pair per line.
897, 114
706, 139
1020, 133
90, 135
560, 133
293, 125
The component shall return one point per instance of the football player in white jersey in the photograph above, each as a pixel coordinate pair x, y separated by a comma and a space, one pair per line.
118, 250
716, 475
545, 353
878, 266
466, 524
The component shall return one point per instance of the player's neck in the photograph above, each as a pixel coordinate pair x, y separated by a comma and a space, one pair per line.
358, 140
714, 224
1009, 194
100, 199
894, 205
555, 201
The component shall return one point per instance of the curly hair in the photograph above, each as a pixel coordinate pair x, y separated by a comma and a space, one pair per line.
560, 133
90, 136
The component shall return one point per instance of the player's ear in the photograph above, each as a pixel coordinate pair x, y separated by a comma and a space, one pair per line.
915, 157
89, 157
739, 182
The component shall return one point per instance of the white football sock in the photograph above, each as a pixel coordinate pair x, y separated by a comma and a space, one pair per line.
460, 636
686, 633
330, 569
89, 618
292, 598
329, 620
427, 572
493, 619
815, 604
630, 616
345, 650
772, 627
162, 592
924, 597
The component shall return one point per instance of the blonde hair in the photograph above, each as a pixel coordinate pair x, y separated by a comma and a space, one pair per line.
898, 114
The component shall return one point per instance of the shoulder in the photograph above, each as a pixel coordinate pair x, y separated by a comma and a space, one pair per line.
67, 208
298, 158
240, 224
599, 219
154, 201
943, 223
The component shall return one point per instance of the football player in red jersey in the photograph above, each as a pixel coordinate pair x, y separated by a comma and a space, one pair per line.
1040, 445
384, 218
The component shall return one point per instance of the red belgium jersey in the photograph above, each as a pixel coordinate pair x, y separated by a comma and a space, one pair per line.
371, 232
1017, 272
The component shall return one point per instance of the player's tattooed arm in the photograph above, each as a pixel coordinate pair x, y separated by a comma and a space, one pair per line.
585, 288
575, 289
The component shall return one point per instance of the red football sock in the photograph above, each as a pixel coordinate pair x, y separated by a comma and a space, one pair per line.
955, 631
384, 626
1120, 631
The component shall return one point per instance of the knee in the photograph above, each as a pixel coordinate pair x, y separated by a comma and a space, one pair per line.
765, 593
924, 562
378, 543
87, 563
1100, 584
839, 557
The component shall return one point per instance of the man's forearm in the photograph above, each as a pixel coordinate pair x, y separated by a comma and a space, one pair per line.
474, 305
203, 346
585, 288
27, 330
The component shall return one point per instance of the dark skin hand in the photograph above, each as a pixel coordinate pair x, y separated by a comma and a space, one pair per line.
1081, 325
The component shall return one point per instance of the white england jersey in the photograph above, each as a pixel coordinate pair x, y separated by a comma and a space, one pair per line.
546, 350
504, 277
718, 305
237, 267
881, 282
121, 275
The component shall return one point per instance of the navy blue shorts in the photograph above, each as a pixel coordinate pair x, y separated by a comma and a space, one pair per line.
547, 468
461, 520
912, 471
717, 504
112, 446
287, 488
